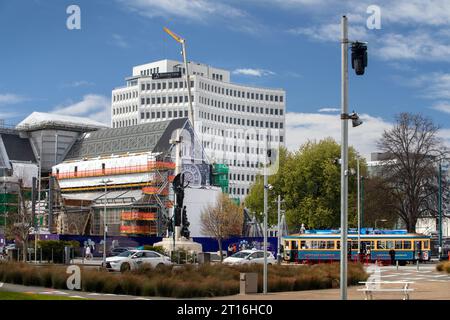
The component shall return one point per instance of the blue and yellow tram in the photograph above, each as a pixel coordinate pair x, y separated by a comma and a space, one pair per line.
375, 245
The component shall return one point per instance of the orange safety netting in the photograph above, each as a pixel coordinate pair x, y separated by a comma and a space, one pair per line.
150, 166
155, 190
139, 216
138, 229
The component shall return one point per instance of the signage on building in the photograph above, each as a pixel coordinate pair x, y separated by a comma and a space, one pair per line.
166, 75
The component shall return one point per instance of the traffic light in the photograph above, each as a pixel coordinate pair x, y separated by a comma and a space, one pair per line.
359, 57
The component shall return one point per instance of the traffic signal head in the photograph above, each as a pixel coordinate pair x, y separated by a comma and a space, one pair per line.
359, 57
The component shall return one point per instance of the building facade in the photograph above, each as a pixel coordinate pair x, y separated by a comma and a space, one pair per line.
235, 123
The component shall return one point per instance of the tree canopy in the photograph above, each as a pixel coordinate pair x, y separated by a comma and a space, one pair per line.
309, 182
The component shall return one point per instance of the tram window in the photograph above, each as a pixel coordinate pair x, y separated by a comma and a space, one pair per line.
389, 244
381, 244
294, 245
425, 245
314, 244
303, 244
330, 244
354, 245
406, 244
286, 244
398, 245
322, 244
338, 244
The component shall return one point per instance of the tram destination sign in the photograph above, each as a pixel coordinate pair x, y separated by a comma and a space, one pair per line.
166, 75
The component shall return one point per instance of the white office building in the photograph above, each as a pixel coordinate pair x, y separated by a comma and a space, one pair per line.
231, 120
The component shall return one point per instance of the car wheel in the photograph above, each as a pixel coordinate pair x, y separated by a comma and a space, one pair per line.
125, 267
160, 265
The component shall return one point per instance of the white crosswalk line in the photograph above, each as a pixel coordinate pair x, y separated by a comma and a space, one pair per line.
76, 297
440, 276
389, 276
1, 284
45, 292
94, 294
141, 299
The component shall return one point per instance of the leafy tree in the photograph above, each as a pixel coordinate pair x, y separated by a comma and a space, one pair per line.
222, 220
414, 149
309, 181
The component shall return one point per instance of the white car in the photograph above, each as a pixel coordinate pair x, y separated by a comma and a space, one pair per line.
250, 256
132, 259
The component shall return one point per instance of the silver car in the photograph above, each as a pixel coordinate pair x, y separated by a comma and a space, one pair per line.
132, 259
250, 256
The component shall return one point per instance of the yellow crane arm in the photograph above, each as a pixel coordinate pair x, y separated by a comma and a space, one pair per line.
173, 35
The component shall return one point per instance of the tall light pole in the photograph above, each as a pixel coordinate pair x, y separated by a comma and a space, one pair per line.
359, 62
105, 227
344, 159
359, 205
279, 230
267, 187
440, 209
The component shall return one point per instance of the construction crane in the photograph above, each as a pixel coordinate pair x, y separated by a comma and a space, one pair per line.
183, 52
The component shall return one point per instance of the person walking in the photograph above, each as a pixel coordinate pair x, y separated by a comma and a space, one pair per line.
88, 253
392, 254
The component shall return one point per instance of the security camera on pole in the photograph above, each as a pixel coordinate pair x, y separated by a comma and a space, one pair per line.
359, 62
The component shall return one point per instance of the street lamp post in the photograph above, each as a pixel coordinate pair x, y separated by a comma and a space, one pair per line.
440, 209
359, 204
344, 159
105, 227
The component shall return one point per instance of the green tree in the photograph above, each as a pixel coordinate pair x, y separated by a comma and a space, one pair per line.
309, 181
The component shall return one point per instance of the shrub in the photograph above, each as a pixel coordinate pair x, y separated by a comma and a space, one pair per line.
443, 266
155, 248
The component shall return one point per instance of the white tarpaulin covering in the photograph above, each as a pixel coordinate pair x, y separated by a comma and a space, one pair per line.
26, 172
37, 120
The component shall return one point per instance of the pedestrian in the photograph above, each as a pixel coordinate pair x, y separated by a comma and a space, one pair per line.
392, 254
88, 253
234, 248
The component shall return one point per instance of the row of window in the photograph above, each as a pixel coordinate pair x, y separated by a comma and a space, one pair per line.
240, 94
239, 191
241, 177
163, 100
150, 71
124, 123
162, 114
235, 148
125, 96
124, 109
238, 134
163, 85
239, 108
240, 122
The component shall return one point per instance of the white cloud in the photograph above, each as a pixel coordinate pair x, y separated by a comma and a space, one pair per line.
330, 32
253, 72
93, 106
119, 41
329, 110
419, 45
188, 9
443, 106
301, 127
76, 84
9, 98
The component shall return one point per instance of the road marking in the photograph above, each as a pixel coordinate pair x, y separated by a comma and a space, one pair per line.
1, 284
44, 292
389, 275
59, 292
141, 299
110, 294
77, 297
93, 294
440, 276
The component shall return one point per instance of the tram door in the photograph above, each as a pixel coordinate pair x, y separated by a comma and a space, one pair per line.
418, 250
366, 248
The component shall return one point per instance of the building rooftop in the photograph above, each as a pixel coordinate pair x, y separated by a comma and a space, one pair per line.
41, 120
152, 136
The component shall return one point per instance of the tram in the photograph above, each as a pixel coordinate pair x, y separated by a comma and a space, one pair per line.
324, 245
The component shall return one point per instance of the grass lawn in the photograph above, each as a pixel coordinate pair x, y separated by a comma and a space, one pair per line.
32, 296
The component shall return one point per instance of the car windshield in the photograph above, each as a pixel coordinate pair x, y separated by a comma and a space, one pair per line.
126, 254
241, 255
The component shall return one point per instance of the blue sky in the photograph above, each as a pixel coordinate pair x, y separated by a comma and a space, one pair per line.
290, 44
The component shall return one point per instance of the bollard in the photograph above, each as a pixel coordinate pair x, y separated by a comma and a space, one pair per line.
396, 263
